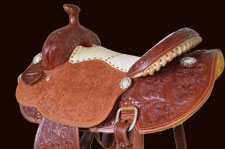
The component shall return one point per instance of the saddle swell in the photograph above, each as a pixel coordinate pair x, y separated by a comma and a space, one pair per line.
76, 83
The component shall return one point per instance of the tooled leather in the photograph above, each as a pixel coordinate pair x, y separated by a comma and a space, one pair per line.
31, 114
175, 93
60, 44
55, 136
160, 49
107, 125
77, 94
32, 74
170, 97
64, 40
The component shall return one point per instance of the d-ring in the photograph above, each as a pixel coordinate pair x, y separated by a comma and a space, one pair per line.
128, 108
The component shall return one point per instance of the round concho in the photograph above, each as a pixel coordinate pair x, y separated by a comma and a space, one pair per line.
188, 61
125, 83
37, 58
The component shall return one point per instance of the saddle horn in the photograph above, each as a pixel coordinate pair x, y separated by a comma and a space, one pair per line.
73, 12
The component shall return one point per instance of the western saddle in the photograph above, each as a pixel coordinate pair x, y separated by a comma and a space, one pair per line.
75, 85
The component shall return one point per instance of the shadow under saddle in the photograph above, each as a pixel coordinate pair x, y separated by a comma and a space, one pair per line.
76, 83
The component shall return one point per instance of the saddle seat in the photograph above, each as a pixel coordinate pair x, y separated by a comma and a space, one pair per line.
119, 61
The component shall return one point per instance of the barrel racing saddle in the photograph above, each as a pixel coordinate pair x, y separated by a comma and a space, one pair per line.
76, 85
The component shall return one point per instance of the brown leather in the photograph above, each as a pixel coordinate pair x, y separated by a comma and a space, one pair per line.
81, 94
170, 97
88, 94
122, 136
138, 140
108, 140
31, 114
76, 138
54, 135
203, 69
160, 49
60, 44
179, 136
86, 140
32, 74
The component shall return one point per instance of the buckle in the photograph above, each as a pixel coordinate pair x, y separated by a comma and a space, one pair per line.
128, 108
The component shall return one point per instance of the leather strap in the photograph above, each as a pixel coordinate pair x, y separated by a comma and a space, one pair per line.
108, 140
76, 138
179, 136
58, 136
138, 140
86, 140
123, 138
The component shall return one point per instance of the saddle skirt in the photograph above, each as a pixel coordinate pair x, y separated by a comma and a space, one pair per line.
172, 96
83, 91
76, 94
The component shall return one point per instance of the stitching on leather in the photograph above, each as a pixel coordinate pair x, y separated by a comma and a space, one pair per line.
193, 110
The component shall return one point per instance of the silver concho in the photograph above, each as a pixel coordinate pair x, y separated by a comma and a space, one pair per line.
19, 78
125, 83
188, 61
37, 58
47, 78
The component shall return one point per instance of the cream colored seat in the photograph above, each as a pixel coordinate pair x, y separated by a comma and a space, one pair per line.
117, 60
